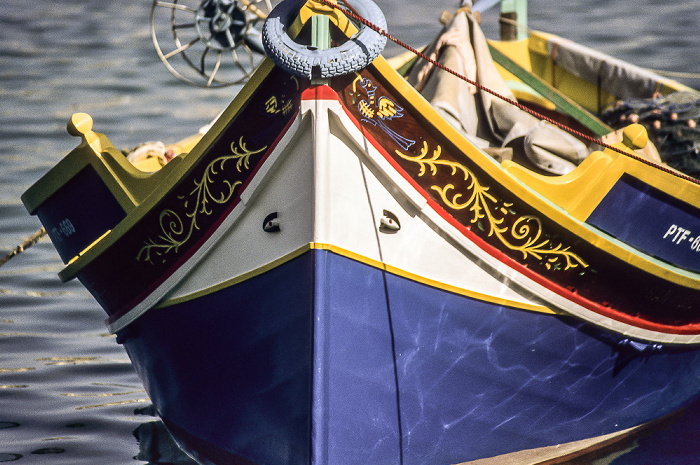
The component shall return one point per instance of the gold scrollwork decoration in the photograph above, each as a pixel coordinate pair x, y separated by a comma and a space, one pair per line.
525, 235
177, 227
434, 161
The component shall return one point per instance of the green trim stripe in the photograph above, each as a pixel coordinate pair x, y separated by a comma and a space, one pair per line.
561, 101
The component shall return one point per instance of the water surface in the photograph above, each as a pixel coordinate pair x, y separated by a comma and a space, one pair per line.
68, 394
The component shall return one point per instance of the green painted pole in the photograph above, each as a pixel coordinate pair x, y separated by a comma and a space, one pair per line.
514, 11
320, 39
320, 32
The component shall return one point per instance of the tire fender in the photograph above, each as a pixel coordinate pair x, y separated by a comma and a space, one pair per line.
355, 54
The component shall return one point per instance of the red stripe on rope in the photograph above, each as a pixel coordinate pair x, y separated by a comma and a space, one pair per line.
352, 13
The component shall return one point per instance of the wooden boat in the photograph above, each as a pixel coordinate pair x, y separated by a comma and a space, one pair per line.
594, 92
335, 273
548, 67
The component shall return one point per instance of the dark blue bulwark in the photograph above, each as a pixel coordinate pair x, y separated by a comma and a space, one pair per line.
232, 369
81, 211
477, 380
326, 360
356, 410
651, 221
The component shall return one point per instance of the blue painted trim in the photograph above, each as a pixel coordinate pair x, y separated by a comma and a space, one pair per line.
651, 221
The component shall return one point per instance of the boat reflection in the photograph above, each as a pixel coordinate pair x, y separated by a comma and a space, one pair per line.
156, 446
676, 433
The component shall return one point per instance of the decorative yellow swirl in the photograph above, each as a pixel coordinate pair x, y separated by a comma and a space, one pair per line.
434, 161
176, 231
524, 235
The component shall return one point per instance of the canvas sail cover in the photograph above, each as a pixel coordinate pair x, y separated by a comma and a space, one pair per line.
485, 119
617, 77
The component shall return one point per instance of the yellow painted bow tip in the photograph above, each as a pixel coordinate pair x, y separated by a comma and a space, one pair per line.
321, 6
79, 124
635, 136
313, 8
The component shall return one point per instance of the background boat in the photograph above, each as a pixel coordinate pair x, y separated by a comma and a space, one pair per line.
88, 53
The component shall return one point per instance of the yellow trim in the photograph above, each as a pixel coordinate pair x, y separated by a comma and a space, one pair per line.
312, 8
238, 279
170, 172
129, 185
157, 190
577, 192
516, 50
581, 190
403, 62
89, 246
432, 283
367, 261
682, 190
580, 90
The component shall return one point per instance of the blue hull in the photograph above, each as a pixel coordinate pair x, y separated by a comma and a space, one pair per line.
301, 365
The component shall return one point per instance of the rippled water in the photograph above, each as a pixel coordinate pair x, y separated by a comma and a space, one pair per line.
68, 394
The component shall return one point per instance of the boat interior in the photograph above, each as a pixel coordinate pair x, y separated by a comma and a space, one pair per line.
567, 169
551, 76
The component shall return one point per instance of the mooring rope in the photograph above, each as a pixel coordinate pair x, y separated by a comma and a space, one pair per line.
351, 13
30, 241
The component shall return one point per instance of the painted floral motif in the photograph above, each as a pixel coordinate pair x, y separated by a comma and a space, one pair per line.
177, 227
524, 235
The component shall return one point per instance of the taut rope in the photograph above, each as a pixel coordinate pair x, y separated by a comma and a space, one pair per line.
30, 241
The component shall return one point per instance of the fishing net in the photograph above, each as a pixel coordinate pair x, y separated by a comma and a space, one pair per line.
671, 122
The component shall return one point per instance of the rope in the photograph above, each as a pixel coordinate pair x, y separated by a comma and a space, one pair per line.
30, 241
356, 17
515, 23
347, 4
